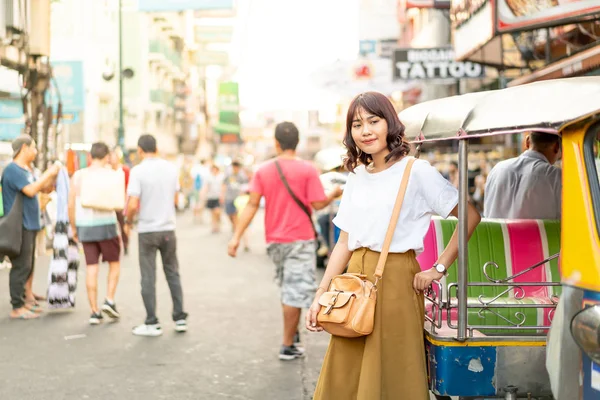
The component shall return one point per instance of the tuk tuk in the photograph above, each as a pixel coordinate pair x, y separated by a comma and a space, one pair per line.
487, 321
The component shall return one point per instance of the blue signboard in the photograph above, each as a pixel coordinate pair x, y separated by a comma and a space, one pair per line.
69, 78
366, 47
11, 119
182, 5
11, 109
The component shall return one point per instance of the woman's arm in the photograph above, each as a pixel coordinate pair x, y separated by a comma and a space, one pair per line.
337, 264
423, 279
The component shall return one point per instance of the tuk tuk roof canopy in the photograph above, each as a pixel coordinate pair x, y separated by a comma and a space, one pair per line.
545, 106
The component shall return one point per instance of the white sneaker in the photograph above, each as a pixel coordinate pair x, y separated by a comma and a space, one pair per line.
147, 330
181, 325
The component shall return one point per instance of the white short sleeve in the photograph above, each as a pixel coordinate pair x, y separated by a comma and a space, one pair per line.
343, 217
134, 188
439, 194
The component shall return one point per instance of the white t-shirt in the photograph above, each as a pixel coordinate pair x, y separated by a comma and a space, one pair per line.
214, 186
369, 198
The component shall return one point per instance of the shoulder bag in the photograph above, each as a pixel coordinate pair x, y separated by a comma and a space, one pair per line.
296, 199
102, 189
11, 229
348, 306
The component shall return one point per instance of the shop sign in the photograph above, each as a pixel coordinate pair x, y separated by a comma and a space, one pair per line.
69, 79
207, 57
382, 48
523, 15
213, 34
387, 47
183, 5
473, 26
366, 47
229, 107
12, 121
436, 63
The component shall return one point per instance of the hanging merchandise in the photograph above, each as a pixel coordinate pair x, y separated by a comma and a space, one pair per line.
62, 275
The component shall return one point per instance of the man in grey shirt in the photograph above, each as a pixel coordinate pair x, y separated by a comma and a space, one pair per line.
528, 186
152, 190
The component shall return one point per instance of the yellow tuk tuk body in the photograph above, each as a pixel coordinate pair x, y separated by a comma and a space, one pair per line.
488, 320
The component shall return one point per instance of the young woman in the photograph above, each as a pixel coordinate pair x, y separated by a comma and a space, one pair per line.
390, 362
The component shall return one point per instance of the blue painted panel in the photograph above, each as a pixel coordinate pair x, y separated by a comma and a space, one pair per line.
591, 370
461, 371
591, 379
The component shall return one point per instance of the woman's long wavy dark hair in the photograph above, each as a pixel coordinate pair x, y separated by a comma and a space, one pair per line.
376, 104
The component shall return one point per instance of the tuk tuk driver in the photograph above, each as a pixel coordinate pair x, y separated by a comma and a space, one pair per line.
528, 186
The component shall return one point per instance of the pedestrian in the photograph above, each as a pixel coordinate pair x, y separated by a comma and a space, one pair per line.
289, 228
17, 178
199, 172
153, 189
115, 162
390, 362
232, 186
212, 190
97, 230
528, 186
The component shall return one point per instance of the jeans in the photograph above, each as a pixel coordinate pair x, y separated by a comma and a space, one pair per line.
166, 243
22, 268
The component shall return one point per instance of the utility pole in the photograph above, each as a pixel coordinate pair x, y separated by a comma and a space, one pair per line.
121, 137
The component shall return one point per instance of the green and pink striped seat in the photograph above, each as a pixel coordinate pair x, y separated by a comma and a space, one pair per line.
514, 245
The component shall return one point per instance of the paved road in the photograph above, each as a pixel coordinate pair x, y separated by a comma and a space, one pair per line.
230, 351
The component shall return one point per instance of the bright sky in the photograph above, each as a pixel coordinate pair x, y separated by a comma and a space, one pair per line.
287, 40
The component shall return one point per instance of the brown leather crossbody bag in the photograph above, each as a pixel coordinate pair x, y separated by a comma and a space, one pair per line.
348, 306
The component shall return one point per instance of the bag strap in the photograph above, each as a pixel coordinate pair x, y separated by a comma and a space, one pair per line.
296, 199
393, 222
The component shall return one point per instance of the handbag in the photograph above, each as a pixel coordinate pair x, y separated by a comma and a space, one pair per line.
102, 189
11, 228
296, 199
348, 306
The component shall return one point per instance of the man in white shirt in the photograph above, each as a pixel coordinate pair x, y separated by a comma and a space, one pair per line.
153, 186
528, 186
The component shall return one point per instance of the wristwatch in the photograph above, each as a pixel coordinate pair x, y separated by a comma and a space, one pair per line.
441, 268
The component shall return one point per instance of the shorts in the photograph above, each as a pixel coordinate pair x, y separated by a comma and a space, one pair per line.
211, 204
295, 271
109, 249
230, 208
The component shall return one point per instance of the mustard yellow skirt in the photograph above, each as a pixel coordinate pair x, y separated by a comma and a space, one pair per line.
389, 364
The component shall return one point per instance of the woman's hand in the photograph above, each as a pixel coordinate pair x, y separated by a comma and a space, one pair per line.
311, 317
424, 278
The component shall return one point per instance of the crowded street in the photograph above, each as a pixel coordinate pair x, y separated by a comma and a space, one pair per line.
227, 353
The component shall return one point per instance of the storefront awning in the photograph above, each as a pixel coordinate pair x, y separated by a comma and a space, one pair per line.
575, 65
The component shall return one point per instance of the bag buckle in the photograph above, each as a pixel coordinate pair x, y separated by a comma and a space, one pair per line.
332, 302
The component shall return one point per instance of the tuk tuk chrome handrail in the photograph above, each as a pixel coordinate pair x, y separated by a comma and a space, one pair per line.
487, 264
436, 306
489, 305
463, 237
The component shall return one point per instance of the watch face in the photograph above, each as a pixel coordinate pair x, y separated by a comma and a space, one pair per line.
440, 268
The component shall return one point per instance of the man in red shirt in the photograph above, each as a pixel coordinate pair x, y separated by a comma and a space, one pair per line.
289, 230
